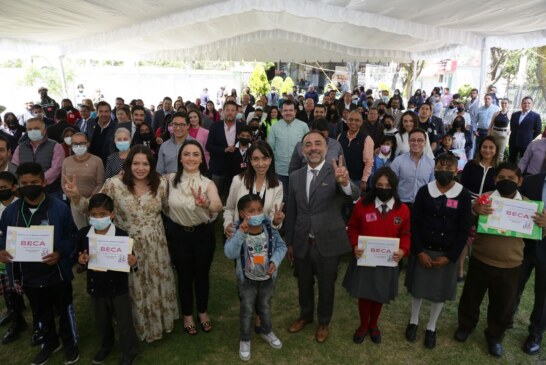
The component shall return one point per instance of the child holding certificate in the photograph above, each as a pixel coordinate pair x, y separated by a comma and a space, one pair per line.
379, 213
47, 282
109, 290
495, 267
440, 221
259, 250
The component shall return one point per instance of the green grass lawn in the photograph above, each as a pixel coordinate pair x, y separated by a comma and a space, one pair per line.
221, 346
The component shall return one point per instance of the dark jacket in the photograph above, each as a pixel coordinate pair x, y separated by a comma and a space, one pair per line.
522, 134
52, 212
216, 144
107, 283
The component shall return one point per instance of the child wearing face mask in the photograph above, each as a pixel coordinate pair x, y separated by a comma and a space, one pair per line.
379, 213
440, 223
109, 290
494, 267
237, 161
258, 250
386, 153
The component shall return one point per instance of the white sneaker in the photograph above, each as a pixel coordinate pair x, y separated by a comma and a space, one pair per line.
244, 350
272, 339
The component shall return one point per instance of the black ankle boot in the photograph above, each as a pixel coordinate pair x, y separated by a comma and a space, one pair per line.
6, 317
18, 323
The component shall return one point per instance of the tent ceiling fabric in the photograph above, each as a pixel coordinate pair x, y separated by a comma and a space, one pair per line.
290, 30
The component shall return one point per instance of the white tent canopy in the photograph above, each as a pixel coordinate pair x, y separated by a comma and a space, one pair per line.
288, 30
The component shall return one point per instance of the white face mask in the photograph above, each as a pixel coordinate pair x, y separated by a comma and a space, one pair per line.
68, 140
79, 150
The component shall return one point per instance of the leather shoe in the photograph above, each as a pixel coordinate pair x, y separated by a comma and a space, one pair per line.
411, 332
321, 334
495, 349
461, 334
430, 339
532, 345
375, 335
359, 336
298, 325
17, 326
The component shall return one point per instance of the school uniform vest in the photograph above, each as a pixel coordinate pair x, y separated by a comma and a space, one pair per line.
43, 156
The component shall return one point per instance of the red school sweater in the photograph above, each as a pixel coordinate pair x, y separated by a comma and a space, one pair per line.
367, 220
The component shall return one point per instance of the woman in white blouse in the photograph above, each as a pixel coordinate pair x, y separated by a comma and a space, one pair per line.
192, 199
259, 178
408, 122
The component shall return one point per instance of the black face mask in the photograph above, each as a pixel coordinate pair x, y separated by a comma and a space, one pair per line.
244, 141
5, 194
457, 125
254, 127
443, 177
506, 187
460, 110
381, 111
31, 192
384, 194
388, 126
146, 137
451, 107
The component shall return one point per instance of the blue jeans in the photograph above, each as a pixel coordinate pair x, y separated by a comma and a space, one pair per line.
255, 294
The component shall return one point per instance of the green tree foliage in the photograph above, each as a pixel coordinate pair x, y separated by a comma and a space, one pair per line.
277, 83
465, 90
258, 81
49, 77
287, 85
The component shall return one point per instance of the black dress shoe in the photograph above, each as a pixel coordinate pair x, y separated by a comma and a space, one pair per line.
430, 339
17, 326
411, 332
532, 345
495, 349
375, 335
6, 317
359, 336
461, 334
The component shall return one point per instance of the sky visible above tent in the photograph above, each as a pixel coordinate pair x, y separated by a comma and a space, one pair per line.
327, 30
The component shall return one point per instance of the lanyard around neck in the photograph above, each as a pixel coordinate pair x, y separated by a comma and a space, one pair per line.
27, 223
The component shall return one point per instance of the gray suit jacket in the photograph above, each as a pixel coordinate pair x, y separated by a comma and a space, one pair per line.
322, 213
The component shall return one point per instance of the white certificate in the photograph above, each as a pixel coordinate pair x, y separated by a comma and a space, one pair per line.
29, 244
109, 253
512, 215
378, 251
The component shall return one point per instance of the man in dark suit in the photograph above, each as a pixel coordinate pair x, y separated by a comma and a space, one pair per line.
221, 141
102, 136
86, 124
55, 131
315, 231
306, 114
534, 257
162, 116
525, 126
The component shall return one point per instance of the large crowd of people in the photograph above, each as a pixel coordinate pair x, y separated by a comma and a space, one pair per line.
295, 176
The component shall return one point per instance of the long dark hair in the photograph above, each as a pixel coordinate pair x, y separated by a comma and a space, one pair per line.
415, 121
249, 175
462, 123
153, 176
478, 155
369, 197
202, 166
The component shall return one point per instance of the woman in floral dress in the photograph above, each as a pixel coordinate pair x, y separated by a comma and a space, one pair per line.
139, 197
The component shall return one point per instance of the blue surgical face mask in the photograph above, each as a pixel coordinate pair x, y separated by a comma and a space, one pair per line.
123, 146
256, 220
239, 116
100, 223
35, 135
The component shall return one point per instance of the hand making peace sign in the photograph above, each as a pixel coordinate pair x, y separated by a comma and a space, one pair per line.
71, 188
342, 175
201, 199
278, 216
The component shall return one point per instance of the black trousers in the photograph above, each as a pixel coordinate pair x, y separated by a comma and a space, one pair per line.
537, 323
325, 269
48, 301
501, 286
515, 152
118, 308
193, 250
